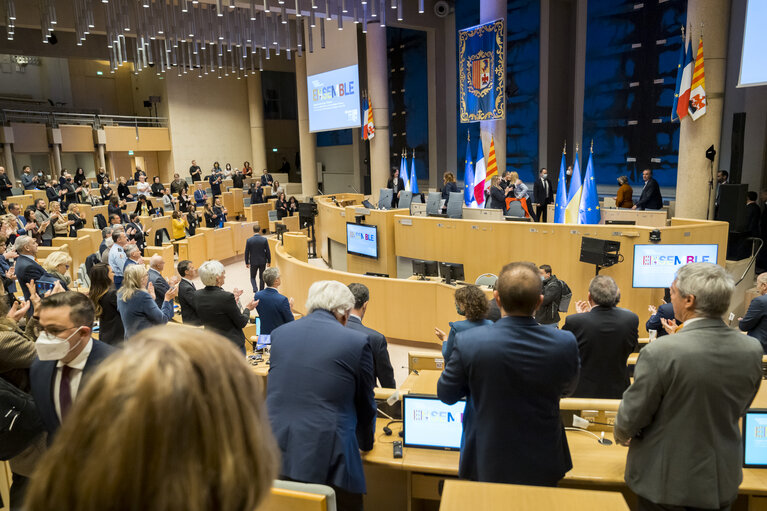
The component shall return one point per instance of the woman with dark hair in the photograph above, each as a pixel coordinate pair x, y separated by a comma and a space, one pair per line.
157, 187
292, 205
115, 208
448, 186
470, 302
247, 170
80, 177
104, 297
281, 206
78, 222
212, 220
227, 170
106, 191
216, 167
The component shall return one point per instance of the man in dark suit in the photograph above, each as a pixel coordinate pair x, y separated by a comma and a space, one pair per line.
161, 286
5, 185
321, 421
753, 214
680, 416
273, 308
606, 335
136, 232
66, 354
27, 269
755, 320
215, 183
543, 194
257, 257
219, 310
513, 374
663, 313
650, 197
383, 371
267, 179
186, 293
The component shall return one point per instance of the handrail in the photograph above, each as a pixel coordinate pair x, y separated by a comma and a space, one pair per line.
54, 119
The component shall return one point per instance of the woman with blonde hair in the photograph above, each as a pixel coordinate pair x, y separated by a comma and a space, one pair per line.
624, 197
170, 422
497, 195
136, 301
77, 221
57, 264
59, 221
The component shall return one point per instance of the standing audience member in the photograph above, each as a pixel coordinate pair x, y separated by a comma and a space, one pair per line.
755, 320
396, 185
42, 219
382, 369
127, 461
650, 197
178, 184
219, 210
273, 308
256, 193
103, 295
513, 374
606, 335
5, 185
195, 172
178, 226
117, 256
136, 302
659, 316
323, 421
66, 354
448, 186
76, 222
625, 196
27, 179
548, 312
215, 181
219, 310
281, 206
543, 194
680, 416
200, 196
161, 286
753, 214
133, 255
123, 190
27, 269
471, 303
257, 257
186, 293
497, 195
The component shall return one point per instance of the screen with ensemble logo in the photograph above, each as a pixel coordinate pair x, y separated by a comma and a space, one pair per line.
334, 100
430, 423
362, 240
655, 266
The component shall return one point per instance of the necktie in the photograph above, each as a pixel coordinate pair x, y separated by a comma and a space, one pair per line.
65, 391
545, 187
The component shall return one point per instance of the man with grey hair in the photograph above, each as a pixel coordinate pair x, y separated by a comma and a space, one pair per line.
320, 395
161, 286
273, 308
106, 243
606, 336
680, 416
133, 255
755, 320
27, 269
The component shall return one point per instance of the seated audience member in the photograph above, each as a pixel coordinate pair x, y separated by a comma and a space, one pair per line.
606, 335
133, 255
115, 220
471, 303
200, 196
57, 265
103, 295
66, 354
178, 185
158, 189
219, 310
273, 308
624, 197
143, 189
513, 374
292, 205
123, 190
382, 369
548, 312
680, 416
136, 301
161, 286
755, 320
266, 178
127, 461
186, 293
322, 421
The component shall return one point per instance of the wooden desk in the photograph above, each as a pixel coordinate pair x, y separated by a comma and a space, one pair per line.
193, 248
645, 218
259, 213
155, 223
241, 231
220, 244
463, 495
291, 222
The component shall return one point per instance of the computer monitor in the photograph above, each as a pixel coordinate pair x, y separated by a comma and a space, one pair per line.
405, 198
385, 196
432, 203
755, 438
451, 272
425, 269
429, 423
362, 240
366, 203
455, 205
655, 265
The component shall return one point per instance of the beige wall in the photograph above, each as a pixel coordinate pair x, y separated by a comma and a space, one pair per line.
208, 121
108, 93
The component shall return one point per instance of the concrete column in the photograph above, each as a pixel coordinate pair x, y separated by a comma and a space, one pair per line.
490, 10
307, 144
378, 89
57, 158
101, 158
256, 111
8, 152
695, 171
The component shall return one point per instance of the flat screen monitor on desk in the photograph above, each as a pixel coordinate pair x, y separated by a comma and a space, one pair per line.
656, 265
429, 423
755, 438
425, 268
362, 240
451, 272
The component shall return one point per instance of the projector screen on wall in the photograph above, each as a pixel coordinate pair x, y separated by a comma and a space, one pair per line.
753, 60
334, 99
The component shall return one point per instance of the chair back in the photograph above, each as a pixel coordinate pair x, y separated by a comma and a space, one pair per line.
295, 496
486, 279
515, 209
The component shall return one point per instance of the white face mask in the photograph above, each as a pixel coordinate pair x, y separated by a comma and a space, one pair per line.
544, 176
50, 347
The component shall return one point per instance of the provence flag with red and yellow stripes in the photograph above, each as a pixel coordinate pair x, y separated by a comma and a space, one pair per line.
492, 165
697, 105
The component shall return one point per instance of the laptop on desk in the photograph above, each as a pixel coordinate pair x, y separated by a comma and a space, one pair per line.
431, 424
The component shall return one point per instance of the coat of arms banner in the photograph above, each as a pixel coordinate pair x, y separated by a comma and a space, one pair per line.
481, 72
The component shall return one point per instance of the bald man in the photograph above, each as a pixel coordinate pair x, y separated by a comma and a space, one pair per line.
755, 320
161, 286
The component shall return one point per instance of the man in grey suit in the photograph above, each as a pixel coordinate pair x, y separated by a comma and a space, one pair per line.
382, 368
755, 320
161, 286
680, 416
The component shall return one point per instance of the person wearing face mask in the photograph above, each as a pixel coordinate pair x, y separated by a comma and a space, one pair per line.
66, 354
568, 176
548, 312
543, 194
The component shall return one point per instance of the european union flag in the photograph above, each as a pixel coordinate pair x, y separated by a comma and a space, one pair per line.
574, 193
468, 177
589, 212
482, 72
561, 201
413, 178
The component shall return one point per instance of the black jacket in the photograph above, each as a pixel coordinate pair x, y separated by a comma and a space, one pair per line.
539, 192
186, 299
497, 198
111, 330
218, 311
606, 337
548, 312
382, 368
650, 197
257, 252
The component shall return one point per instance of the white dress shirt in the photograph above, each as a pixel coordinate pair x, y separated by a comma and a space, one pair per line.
77, 365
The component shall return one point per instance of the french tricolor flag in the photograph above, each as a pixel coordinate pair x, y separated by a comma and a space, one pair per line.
683, 102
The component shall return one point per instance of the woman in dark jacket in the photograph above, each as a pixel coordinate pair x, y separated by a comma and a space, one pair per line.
80, 177
281, 206
106, 191
123, 190
104, 297
497, 194
449, 186
157, 187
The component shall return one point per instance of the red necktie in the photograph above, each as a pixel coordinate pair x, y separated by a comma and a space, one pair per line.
65, 391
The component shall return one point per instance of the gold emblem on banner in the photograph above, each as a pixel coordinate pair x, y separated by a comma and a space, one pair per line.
478, 75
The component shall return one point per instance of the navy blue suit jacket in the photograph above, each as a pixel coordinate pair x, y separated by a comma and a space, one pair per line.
257, 252
382, 368
27, 270
665, 311
650, 197
513, 372
320, 400
273, 309
42, 376
755, 320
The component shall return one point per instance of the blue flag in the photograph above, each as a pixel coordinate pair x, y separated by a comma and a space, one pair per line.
482, 72
561, 200
679, 70
589, 212
574, 194
413, 177
468, 176
403, 171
